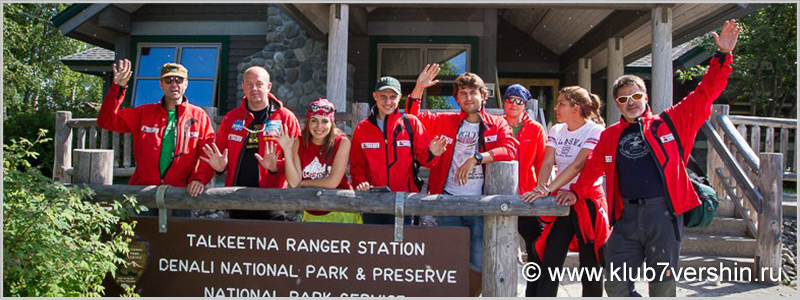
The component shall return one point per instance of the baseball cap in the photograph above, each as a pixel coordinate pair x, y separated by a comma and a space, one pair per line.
173, 69
388, 82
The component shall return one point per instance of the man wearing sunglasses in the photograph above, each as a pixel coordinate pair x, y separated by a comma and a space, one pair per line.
532, 140
248, 136
644, 157
167, 136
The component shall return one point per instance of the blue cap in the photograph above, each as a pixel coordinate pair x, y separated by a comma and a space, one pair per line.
518, 91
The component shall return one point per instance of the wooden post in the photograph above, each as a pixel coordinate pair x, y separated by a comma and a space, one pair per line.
785, 147
93, 137
115, 147
755, 139
769, 146
615, 69
127, 150
661, 85
63, 147
93, 166
585, 73
714, 161
768, 251
500, 241
337, 55
104, 139
81, 138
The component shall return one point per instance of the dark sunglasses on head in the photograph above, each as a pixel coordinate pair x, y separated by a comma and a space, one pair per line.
324, 108
169, 80
515, 100
635, 97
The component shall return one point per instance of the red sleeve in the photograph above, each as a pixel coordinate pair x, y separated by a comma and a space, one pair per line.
112, 117
203, 170
428, 119
507, 144
694, 109
358, 162
422, 140
222, 134
539, 141
592, 170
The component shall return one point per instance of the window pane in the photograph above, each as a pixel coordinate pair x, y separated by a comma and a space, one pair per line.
452, 61
401, 63
147, 91
201, 62
200, 92
441, 96
152, 58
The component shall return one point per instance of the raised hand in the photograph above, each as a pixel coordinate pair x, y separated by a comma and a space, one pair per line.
438, 145
122, 72
218, 161
284, 140
726, 39
426, 77
270, 159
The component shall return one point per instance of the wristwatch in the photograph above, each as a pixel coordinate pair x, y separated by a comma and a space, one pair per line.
478, 157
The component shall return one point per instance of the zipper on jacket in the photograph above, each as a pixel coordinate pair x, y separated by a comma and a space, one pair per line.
386, 147
660, 171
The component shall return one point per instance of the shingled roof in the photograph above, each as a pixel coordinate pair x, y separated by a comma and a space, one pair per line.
677, 52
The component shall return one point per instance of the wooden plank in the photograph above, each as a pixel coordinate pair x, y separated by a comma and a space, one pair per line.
662, 73
127, 150
784, 147
104, 139
93, 166
734, 170
769, 146
500, 241
115, 147
755, 139
93, 137
83, 122
337, 55
768, 252
334, 200
764, 121
81, 138
63, 147
714, 161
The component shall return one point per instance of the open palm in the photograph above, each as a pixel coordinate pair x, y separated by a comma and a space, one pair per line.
727, 38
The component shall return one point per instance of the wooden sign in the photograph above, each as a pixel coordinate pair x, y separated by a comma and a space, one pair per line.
253, 258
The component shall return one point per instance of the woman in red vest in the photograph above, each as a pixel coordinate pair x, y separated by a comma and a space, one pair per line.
319, 159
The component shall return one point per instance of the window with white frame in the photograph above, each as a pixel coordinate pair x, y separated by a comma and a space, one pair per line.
201, 61
405, 62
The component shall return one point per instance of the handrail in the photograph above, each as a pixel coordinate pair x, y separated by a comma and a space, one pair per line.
738, 141
83, 122
333, 200
743, 211
762, 121
733, 167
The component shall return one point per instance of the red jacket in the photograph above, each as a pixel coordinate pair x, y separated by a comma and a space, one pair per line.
688, 115
385, 159
532, 142
232, 136
494, 134
146, 123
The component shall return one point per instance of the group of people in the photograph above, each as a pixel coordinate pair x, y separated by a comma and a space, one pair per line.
643, 158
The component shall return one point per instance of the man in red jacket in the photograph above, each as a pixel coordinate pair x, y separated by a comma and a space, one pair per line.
478, 139
531, 137
382, 153
643, 157
167, 136
245, 133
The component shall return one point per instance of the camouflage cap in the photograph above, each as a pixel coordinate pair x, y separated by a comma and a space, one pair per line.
173, 69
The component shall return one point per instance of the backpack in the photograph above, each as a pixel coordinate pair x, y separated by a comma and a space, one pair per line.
702, 215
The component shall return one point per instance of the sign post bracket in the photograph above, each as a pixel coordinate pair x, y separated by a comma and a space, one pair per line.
399, 214
162, 210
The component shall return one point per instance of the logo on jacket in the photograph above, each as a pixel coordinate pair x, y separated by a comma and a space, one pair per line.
238, 125
235, 138
491, 138
667, 138
316, 170
609, 158
147, 129
273, 128
370, 145
194, 134
404, 143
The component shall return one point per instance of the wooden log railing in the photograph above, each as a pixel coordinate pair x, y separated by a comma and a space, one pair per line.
783, 129
751, 179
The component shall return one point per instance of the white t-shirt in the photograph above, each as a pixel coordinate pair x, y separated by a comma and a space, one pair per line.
568, 144
466, 147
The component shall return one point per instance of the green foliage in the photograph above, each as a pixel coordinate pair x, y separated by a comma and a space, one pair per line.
765, 61
56, 243
448, 69
35, 82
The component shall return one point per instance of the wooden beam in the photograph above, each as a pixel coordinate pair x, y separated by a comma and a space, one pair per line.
358, 20
617, 24
311, 28
116, 19
661, 45
333, 200
337, 55
82, 17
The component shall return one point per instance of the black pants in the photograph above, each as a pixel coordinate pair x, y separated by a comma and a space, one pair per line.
529, 228
557, 242
273, 215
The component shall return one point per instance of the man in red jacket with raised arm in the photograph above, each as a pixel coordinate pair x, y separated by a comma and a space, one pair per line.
167, 136
643, 157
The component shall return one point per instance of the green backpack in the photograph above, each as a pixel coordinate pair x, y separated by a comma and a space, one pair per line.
702, 215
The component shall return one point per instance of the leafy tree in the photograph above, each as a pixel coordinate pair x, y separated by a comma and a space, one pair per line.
441, 102
55, 243
765, 66
35, 82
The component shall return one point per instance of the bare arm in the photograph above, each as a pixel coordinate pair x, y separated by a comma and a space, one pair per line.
337, 170
292, 164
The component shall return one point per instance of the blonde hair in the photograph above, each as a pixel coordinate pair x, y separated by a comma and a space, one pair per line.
589, 103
